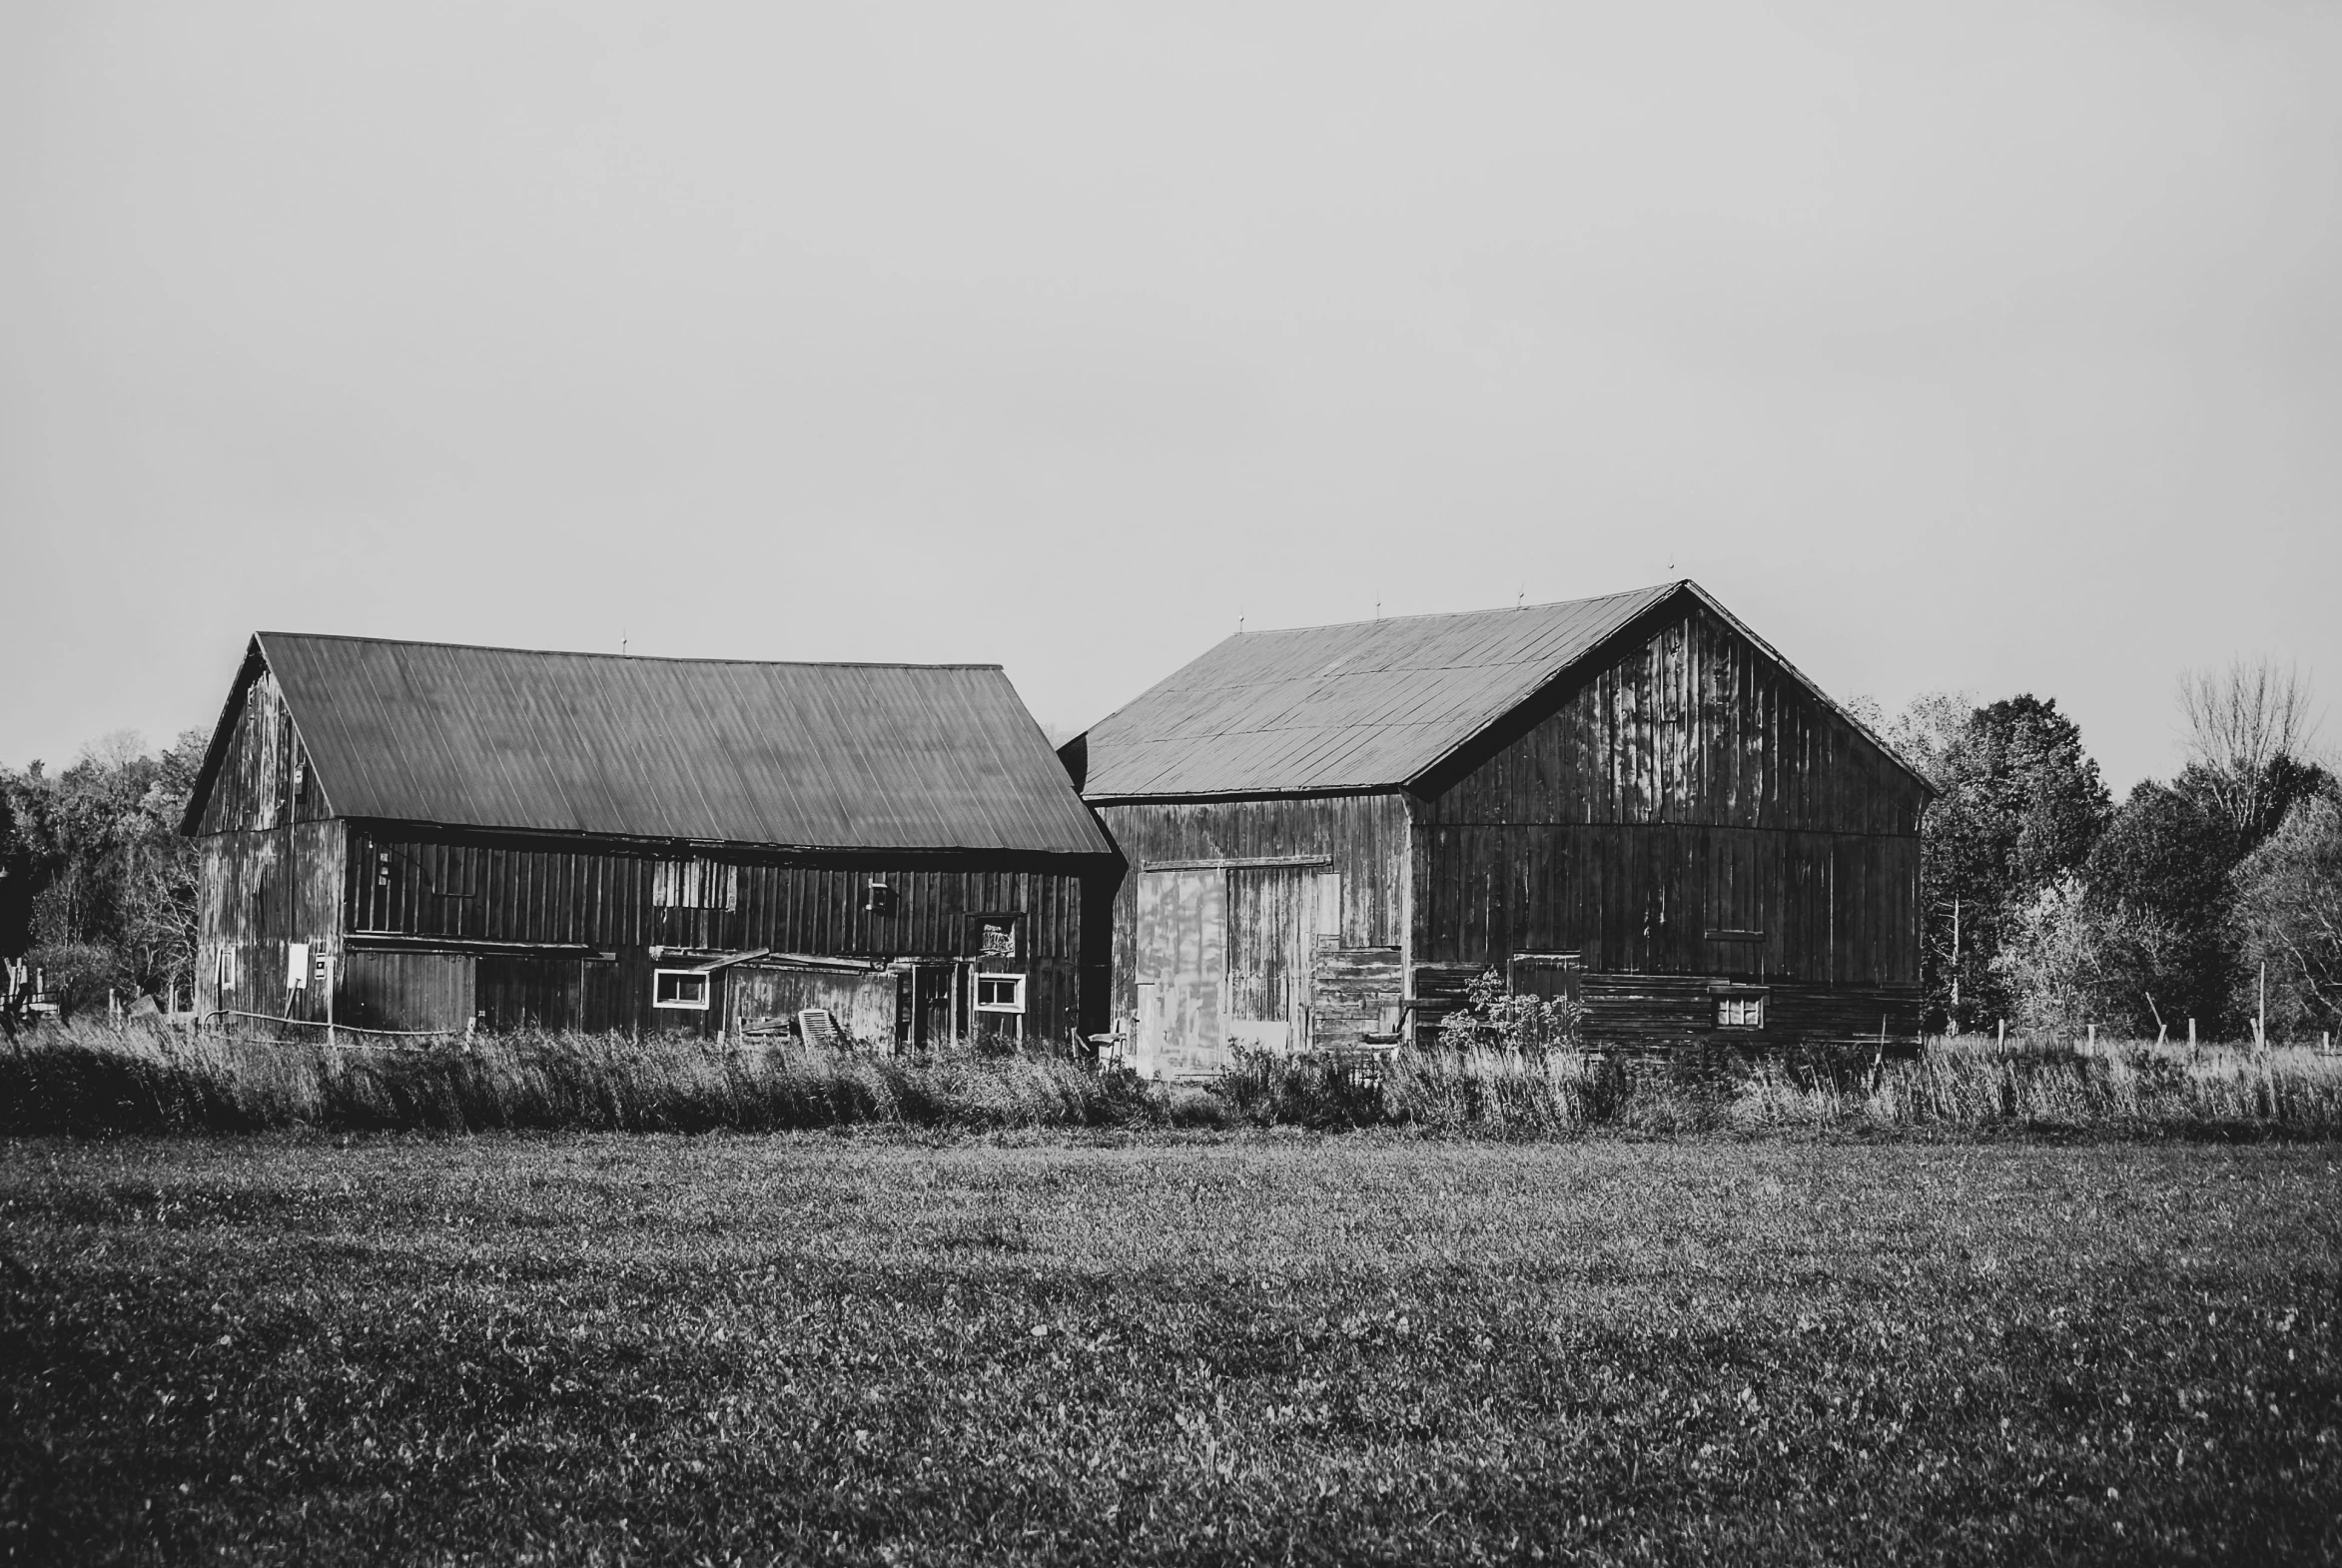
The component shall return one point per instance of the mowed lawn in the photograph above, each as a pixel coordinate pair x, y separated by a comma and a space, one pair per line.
1255, 1348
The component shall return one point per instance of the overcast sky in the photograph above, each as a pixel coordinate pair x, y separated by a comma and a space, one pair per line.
1972, 345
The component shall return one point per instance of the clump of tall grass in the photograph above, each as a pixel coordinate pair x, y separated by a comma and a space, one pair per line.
2123, 1090
91, 1077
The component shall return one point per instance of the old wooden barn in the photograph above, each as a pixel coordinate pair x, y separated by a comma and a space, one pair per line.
1633, 799
408, 836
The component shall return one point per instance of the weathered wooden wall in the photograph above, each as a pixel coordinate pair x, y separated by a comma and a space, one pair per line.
265, 779
595, 898
256, 891
487, 889
1363, 838
1689, 809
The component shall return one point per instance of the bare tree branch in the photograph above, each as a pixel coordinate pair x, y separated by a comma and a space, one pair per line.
2240, 721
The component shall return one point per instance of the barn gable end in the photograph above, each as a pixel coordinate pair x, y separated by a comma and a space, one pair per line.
1686, 808
1634, 800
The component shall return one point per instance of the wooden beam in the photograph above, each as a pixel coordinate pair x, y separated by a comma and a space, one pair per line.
1237, 863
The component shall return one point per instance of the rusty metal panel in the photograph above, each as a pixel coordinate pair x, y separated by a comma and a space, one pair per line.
706, 750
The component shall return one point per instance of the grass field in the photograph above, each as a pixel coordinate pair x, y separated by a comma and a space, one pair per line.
1093, 1347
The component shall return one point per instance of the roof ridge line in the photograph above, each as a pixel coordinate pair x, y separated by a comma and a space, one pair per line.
649, 658
1549, 604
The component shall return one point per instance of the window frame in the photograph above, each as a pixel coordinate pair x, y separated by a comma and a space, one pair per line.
1749, 1000
706, 990
971, 936
1015, 985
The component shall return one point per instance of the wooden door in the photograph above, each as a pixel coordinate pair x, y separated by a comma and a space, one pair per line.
1269, 912
1183, 957
405, 991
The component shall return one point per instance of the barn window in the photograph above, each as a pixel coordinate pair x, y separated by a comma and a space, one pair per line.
1000, 992
1326, 906
694, 884
996, 938
679, 988
1740, 1010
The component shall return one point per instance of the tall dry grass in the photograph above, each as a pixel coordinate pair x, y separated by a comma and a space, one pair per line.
95, 1076
2125, 1089
89, 1077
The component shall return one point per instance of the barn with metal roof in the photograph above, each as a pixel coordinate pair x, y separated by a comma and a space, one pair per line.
1633, 801
415, 837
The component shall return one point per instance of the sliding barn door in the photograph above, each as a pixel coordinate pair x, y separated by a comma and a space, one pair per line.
1183, 964
1268, 921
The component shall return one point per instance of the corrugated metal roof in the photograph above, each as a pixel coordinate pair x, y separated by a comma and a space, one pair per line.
861, 756
1366, 705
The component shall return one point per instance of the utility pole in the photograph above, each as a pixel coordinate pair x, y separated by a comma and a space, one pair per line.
1956, 963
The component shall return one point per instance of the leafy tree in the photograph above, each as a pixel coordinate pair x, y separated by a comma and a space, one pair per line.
2289, 915
2020, 808
2166, 859
98, 886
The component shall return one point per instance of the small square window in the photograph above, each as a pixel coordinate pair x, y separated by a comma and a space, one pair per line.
1746, 1012
679, 988
1000, 992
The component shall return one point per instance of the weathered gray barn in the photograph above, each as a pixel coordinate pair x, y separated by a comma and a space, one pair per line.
410, 836
1633, 799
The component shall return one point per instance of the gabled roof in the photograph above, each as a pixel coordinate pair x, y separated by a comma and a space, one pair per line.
1369, 706
834, 756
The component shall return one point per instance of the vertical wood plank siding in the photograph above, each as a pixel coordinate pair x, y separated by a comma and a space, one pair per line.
1364, 836
476, 888
1689, 786
259, 891
265, 758
277, 869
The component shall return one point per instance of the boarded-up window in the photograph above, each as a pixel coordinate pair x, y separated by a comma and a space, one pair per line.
996, 938
1327, 921
694, 884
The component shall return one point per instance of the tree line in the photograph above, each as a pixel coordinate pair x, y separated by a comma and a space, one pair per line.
2043, 903
2046, 904
97, 887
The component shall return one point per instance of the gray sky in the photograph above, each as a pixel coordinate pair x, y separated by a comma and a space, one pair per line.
1972, 345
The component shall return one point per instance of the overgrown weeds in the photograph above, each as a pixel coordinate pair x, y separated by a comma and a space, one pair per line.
86, 1078
94, 1077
